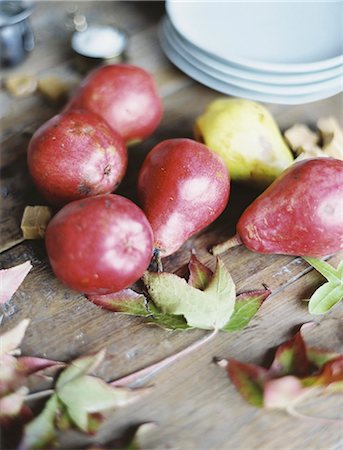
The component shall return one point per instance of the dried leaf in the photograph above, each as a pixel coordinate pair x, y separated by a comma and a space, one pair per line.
11, 279
208, 309
246, 306
330, 293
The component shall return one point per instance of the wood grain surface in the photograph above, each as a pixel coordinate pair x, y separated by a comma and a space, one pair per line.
193, 403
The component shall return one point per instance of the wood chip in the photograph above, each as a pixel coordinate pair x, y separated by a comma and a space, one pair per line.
21, 85
54, 89
34, 221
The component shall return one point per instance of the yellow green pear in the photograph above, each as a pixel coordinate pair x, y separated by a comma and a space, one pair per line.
246, 136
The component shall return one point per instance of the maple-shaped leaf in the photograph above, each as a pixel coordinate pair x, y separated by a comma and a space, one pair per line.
201, 278
41, 431
15, 372
87, 394
330, 293
11, 279
207, 309
295, 372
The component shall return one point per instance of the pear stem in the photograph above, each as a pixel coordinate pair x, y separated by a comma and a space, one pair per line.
233, 241
141, 376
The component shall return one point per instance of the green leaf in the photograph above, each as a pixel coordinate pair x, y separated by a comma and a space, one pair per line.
320, 357
329, 272
126, 301
40, 432
246, 306
167, 321
208, 309
79, 367
325, 298
340, 269
248, 380
86, 394
199, 274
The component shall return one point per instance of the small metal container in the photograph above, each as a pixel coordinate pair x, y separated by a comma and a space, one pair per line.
16, 36
99, 44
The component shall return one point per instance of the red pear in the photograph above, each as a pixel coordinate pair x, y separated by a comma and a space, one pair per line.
300, 214
99, 245
76, 155
125, 96
183, 187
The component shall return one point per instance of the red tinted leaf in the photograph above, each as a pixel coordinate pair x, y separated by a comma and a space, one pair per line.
30, 364
320, 357
246, 306
249, 380
11, 405
282, 392
11, 279
126, 301
331, 374
291, 358
199, 274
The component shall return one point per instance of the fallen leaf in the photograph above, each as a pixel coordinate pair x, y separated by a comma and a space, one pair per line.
11, 279
41, 431
246, 306
126, 301
296, 372
248, 379
208, 309
200, 278
330, 293
199, 274
86, 394
11, 339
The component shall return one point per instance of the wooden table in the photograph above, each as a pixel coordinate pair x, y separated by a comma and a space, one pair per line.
193, 402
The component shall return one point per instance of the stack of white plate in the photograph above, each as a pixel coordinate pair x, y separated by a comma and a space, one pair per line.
274, 51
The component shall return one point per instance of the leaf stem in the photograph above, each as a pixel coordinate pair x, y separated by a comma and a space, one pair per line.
141, 376
233, 241
38, 395
156, 261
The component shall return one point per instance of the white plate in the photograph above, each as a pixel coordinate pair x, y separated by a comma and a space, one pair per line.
264, 88
207, 61
236, 91
275, 36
